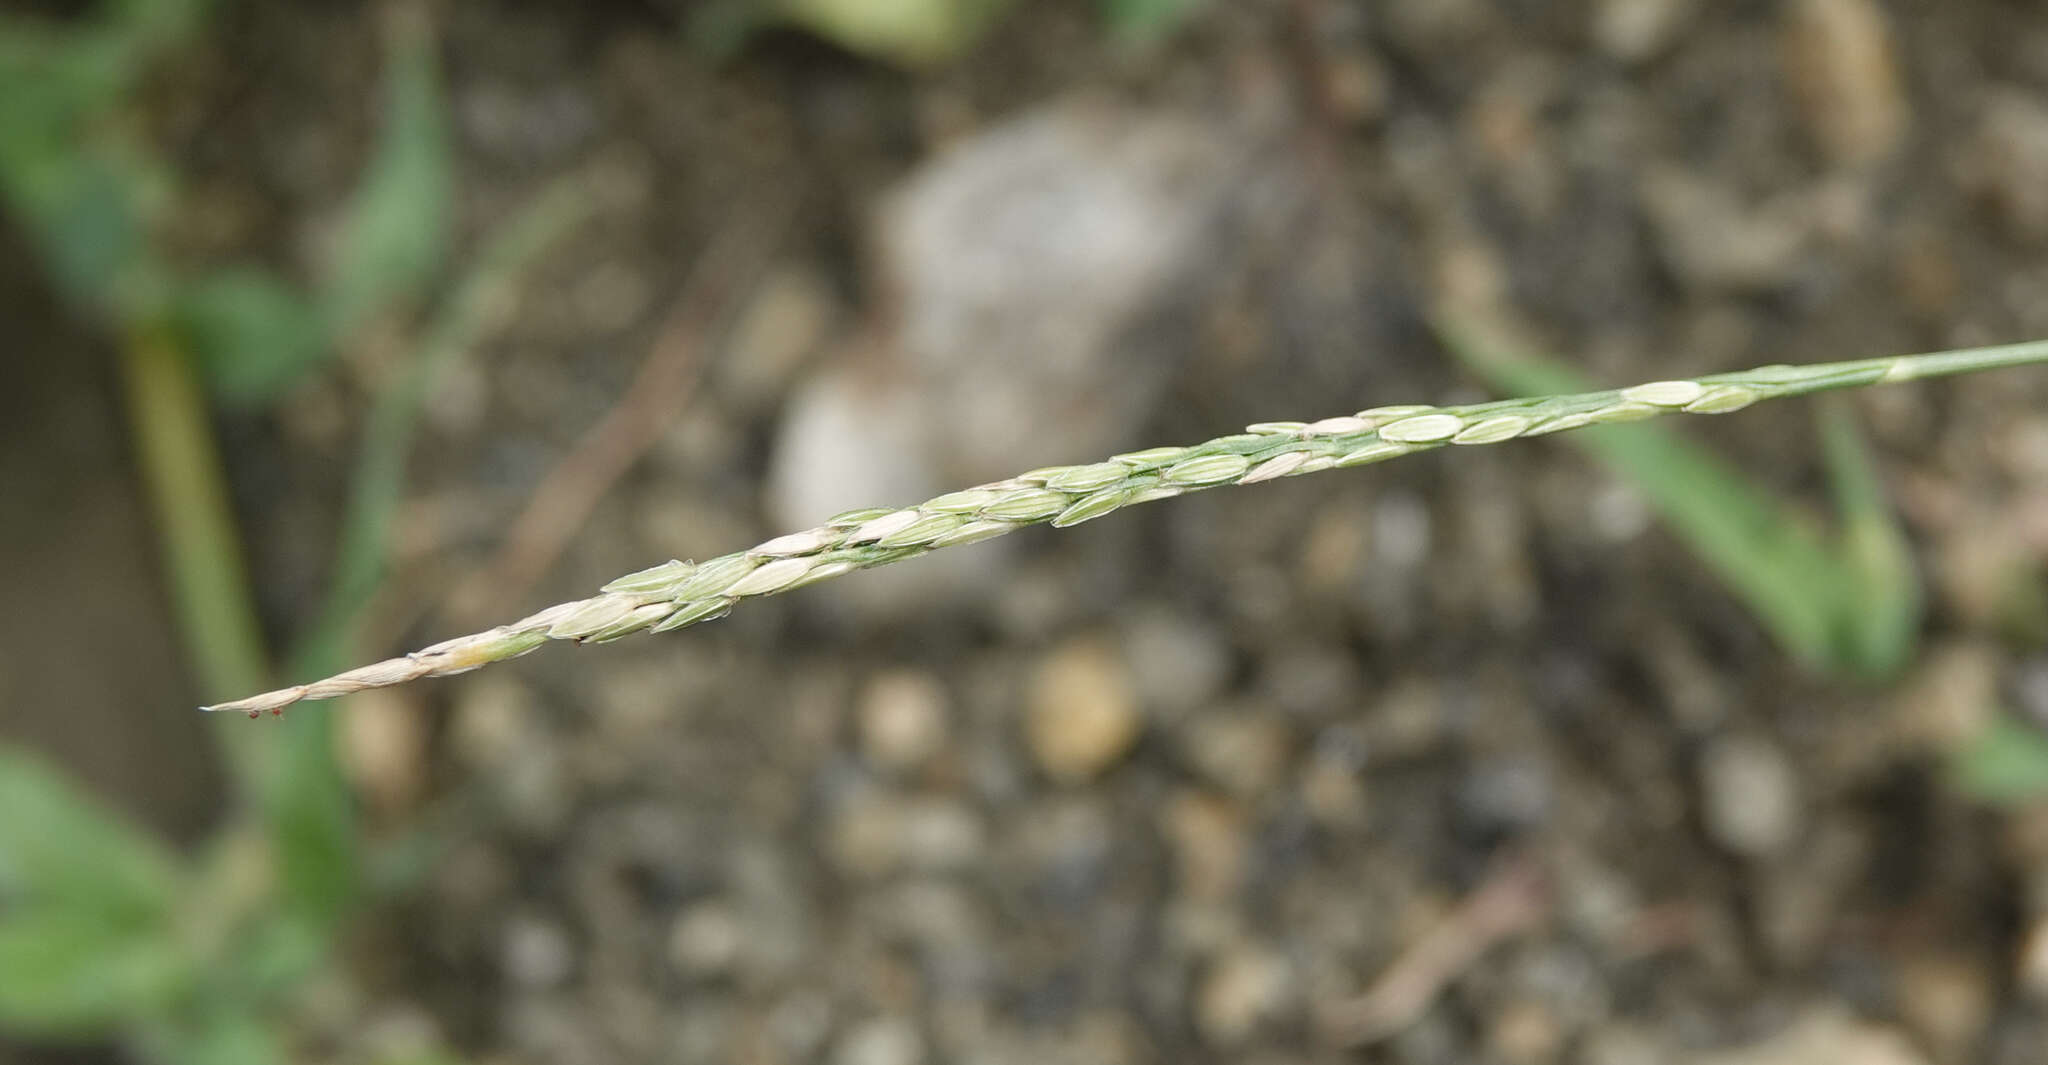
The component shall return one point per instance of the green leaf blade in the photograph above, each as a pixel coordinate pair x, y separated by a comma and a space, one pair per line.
397, 231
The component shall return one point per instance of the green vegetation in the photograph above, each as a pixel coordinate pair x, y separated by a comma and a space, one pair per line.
104, 931
910, 33
107, 933
1847, 603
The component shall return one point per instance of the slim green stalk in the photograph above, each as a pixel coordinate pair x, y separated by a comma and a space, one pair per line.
675, 593
180, 463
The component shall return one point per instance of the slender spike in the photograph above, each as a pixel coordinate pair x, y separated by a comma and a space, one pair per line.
675, 594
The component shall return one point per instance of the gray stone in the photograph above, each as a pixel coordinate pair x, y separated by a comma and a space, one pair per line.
1751, 796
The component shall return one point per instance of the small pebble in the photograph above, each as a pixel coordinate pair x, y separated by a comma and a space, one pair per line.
902, 719
2007, 165
2032, 970
1845, 78
536, 953
705, 940
1525, 1032
1242, 988
383, 749
882, 1041
879, 834
1950, 698
1083, 713
1825, 1035
1946, 999
1177, 663
1711, 241
1635, 31
1242, 749
1208, 839
1750, 792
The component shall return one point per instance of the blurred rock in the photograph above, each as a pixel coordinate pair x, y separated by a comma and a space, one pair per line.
1067, 844
1635, 31
856, 436
1623, 1044
1949, 699
1947, 1000
2007, 163
902, 719
1082, 715
1177, 663
1431, 27
1798, 898
1845, 78
1315, 682
1823, 1035
705, 939
1525, 1032
1750, 796
1506, 793
1244, 749
876, 834
383, 749
2031, 969
1019, 258
1333, 785
767, 896
1355, 84
782, 324
848, 439
881, 1041
499, 734
536, 952
1243, 987
1333, 550
799, 1024
1712, 242
1207, 836
1407, 720
494, 722
939, 917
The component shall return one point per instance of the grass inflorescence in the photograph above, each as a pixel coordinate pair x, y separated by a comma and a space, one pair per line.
678, 593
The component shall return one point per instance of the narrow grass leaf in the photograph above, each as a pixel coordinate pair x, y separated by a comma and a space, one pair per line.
2006, 763
1791, 581
1881, 628
397, 231
57, 844
68, 971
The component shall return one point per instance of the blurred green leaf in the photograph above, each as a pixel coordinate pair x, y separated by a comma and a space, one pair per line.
914, 33
52, 83
58, 846
221, 1035
1852, 610
1143, 21
2007, 763
474, 304
1878, 638
87, 213
312, 824
71, 970
397, 232
720, 28
276, 954
253, 334
312, 817
84, 192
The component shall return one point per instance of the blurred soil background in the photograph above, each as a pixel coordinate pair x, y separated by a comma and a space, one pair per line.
1463, 758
